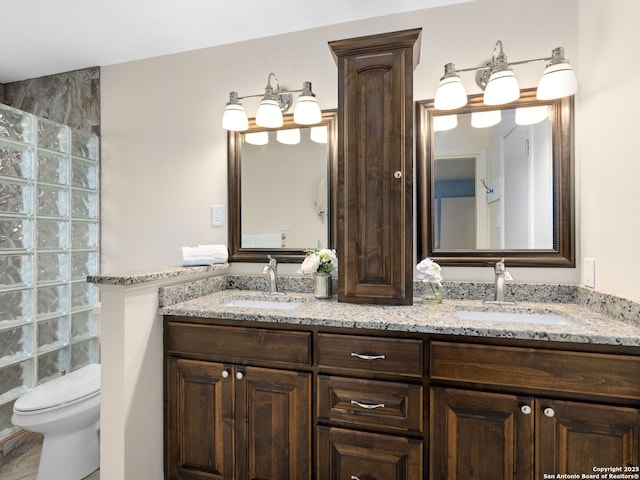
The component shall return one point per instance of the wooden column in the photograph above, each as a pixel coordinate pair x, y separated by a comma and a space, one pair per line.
375, 167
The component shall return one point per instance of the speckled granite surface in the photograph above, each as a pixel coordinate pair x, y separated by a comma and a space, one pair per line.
594, 317
585, 326
136, 277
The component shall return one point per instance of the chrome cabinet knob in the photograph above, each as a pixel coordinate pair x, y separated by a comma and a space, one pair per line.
549, 412
239, 375
225, 374
526, 409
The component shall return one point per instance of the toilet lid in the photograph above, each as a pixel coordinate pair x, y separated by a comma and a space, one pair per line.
65, 389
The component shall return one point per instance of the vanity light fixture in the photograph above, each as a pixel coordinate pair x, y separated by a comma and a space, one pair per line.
275, 100
288, 136
442, 123
319, 134
485, 119
499, 83
532, 115
257, 138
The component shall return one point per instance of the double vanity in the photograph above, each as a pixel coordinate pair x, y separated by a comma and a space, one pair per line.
239, 384
260, 386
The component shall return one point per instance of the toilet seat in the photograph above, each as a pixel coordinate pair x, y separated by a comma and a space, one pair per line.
66, 390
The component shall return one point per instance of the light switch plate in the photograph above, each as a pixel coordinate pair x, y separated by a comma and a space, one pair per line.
589, 272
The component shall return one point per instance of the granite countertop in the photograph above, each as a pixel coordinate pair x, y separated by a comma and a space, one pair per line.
144, 276
584, 326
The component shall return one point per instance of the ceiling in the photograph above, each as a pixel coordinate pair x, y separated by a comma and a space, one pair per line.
44, 37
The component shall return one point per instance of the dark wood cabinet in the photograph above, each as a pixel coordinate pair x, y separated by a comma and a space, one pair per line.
370, 428
375, 167
252, 400
479, 435
233, 421
493, 417
353, 455
199, 421
574, 437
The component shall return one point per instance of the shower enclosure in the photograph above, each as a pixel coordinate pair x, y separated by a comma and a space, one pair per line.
49, 243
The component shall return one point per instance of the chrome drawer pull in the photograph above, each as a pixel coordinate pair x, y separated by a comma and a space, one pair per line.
354, 477
368, 357
368, 406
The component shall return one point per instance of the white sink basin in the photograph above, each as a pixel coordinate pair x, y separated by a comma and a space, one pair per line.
262, 304
514, 317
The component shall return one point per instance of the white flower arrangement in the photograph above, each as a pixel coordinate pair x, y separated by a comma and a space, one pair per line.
323, 260
429, 272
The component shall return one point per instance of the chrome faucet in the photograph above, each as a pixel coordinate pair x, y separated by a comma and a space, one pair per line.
272, 271
502, 276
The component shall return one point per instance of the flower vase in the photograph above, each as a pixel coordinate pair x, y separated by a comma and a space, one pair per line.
322, 285
433, 293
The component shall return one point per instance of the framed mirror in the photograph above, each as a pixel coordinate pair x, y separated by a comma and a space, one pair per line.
281, 189
496, 182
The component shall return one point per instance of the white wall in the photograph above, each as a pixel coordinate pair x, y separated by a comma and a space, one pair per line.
164, 151
608, 125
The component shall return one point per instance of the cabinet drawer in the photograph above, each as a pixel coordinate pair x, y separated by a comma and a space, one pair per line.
238, 345
349, 454
544, 370
372, 354
385, 405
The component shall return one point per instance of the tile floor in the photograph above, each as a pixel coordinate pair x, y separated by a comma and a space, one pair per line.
20, 455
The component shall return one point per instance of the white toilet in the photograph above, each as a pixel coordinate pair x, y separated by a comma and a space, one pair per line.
66, 411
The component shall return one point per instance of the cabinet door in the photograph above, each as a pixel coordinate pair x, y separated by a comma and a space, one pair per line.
273, 424
352, 455
477, 435
199, 416
572, 438
375, 167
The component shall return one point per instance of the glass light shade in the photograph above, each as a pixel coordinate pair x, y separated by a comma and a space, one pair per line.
444, 122
450, 94
531, 115
485, 119
307, 111
269, 114
557, 81
257, 138
235, 118
288, 136
502, 88
319, 134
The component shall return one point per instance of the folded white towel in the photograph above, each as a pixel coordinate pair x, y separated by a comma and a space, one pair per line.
204, 255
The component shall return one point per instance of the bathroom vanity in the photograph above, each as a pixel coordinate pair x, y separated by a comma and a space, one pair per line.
333, 390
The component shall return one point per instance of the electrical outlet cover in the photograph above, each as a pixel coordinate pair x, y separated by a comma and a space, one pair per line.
589, 272
217, 215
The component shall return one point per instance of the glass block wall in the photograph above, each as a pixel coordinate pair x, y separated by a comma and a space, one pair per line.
49, 193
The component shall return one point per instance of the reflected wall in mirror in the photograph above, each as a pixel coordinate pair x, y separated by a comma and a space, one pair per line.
281, 189
496, 182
